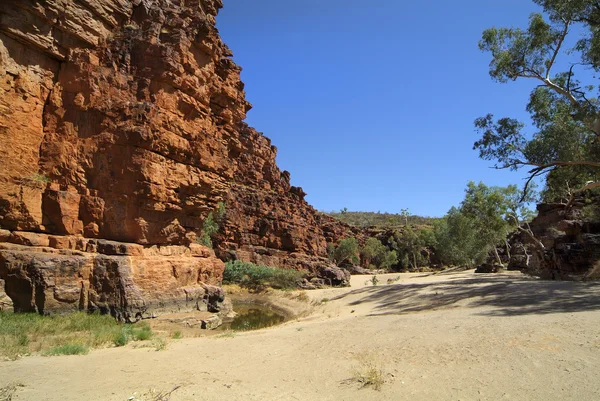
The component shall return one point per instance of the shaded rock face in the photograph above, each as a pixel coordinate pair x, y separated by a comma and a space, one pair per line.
54, 274
123, 120
571, 240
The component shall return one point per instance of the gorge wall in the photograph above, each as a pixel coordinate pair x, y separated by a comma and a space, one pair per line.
564, 241
122, 120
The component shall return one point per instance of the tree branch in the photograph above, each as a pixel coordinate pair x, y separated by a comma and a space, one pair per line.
561, 39
589, 185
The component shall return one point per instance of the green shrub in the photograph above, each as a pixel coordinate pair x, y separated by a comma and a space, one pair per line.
177, 335
121, 338
211, 225
254, 276
143, 333
67, 349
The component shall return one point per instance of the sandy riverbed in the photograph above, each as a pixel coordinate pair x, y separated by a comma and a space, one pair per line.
436, 337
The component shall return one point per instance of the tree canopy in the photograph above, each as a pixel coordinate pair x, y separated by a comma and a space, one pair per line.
486, 216
565, 111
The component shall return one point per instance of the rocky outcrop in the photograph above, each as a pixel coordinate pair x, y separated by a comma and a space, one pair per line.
46, 273
122, 120
569, 241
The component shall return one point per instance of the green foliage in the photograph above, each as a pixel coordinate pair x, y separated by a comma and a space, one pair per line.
211, 225
177, 335
374, 252
21, 334
457, 240
409, 244
345, 251
39, 178
141, 332
253, 276
564, 110
121, 338
67, 349
374, 280
486, 216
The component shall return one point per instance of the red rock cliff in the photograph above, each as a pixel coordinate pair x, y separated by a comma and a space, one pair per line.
123, 120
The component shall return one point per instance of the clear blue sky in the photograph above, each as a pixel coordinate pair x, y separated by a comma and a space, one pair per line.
371, 105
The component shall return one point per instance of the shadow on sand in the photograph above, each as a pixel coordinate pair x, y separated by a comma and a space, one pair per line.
497, 295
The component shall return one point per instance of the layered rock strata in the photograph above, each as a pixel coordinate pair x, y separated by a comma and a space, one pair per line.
48, 273
122, 120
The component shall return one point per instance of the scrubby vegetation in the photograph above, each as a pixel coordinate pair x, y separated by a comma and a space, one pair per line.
378, 219
466, 236
211, 225
257, 277
71, 334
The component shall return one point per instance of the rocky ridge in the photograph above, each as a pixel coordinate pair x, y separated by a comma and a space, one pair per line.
564, 241
122, 120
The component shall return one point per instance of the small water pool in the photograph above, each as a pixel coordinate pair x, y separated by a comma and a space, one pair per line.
252, 317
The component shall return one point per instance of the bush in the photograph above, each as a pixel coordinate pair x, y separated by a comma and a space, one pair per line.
254, 276
143, 333
121, 338
211, 225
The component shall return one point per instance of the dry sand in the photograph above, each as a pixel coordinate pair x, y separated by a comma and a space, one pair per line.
437, 337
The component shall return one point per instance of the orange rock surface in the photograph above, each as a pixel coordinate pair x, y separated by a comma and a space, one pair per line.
123, 120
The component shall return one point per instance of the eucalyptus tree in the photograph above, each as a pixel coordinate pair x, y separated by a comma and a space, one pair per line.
564, 107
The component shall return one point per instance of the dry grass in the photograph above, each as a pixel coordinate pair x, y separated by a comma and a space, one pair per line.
7, 392
159, 344
153, 395
368, 371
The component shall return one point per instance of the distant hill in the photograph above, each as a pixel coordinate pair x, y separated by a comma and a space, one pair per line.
378, 219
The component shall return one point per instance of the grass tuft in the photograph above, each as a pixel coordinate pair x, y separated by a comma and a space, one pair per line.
159, 344
67, 349
368, 371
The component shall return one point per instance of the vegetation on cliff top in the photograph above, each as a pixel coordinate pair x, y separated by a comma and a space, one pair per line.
378, 219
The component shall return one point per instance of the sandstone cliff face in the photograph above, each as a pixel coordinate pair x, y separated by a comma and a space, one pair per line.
123, 120
570, 237
46, 273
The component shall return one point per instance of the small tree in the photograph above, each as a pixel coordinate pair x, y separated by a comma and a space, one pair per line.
374, 252
485, 218
211, 225
346, 251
